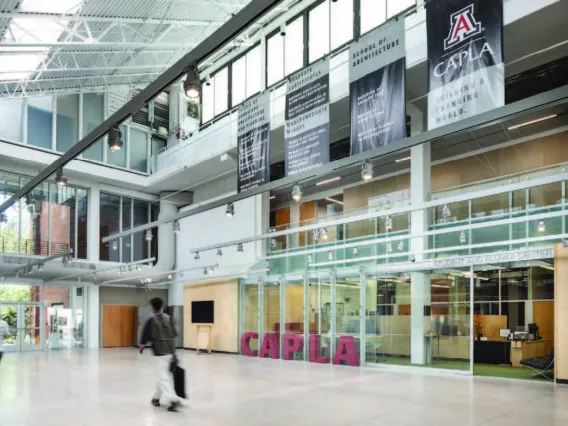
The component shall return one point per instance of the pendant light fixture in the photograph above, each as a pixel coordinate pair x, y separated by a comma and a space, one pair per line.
367, 172
297, 193
446, 212
114, 245
388, 223
240, 248
60, 178
192, 84
330, 255
542, 226
310, 259
463, 237
177, 227
401, 245
196, 255
355, 252
230, 212
3, 218
149, 235
115, 139
323, 234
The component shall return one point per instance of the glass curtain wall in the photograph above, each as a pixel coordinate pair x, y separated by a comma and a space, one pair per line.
40, 122
67, 124
93, 115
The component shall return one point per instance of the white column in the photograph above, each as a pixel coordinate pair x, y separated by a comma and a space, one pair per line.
420, 349
93, 224
93, 316
294, 218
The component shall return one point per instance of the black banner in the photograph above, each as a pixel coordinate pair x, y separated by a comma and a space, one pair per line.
377, 76
306, 137
465, 56
253, 142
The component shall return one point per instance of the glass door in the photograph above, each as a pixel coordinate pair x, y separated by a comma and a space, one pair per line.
319, 311
293, 320
24, 321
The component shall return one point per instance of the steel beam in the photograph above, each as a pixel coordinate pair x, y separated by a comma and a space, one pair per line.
231, 29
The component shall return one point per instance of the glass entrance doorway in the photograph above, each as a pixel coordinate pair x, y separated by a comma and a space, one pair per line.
24, 321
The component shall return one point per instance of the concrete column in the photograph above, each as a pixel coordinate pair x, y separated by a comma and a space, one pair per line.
420, 296
93, 316
294, 218
93, 224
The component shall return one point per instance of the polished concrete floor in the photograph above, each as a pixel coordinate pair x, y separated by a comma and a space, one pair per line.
114, 387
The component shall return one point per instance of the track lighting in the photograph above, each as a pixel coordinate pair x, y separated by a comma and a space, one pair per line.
219, 252
367, 172
170, 276
138, 268
330, 255
60, 178
210, 271
388, 223
273, 244
115, 139
283, 30
446, 212
149, 235
40, 267
204, 271
240, 248
310, 259
463, 237
297, 193
401, 245
196, 255
3, 217
114, 245
208, 80
65, 260
389, 247
316, 235
230, 212
177, 227
192, 84
542, 226
323, 234
355, 252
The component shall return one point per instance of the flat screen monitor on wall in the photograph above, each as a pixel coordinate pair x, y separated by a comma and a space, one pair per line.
202, 312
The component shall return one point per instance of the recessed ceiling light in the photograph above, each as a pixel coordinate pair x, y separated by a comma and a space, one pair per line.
324, 182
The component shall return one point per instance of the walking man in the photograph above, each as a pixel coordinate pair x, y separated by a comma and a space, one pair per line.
4, 334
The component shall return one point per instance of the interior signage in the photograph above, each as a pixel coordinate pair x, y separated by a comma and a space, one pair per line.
345, 353
465, 56
253, 141
377, 76
306, 131
503, 257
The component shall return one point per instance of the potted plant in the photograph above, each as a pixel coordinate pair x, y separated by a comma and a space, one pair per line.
478, 326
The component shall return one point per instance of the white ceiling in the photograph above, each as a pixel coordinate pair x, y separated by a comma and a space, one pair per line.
66, 46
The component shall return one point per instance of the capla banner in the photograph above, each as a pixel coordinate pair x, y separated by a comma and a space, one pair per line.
377, 76
465, 56
253, 140
306, 133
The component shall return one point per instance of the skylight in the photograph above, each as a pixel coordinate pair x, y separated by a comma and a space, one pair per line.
18, 66
50, 6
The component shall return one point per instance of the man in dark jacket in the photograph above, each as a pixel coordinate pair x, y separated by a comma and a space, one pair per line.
159, 331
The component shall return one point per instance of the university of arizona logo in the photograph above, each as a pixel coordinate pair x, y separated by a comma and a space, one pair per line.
464, 26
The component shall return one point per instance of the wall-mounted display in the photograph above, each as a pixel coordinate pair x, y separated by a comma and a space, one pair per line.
465, 55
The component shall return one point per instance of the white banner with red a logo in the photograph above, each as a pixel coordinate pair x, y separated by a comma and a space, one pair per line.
465, 55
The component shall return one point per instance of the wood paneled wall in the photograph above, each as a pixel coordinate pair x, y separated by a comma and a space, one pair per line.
225, 294
543, 316
119, 325
561, 312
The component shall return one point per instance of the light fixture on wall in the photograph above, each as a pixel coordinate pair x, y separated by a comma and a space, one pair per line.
196, 255
230, 212
542, 226
149, 235
114, 245
297, 193
177, 227
192, 84
115, 142
446, 212
388, 223
367, 172
463, 237
283, 30
60, 178
355, 252
240, 248
330, 255
323, 234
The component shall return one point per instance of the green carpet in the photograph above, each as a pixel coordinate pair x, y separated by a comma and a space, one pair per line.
523, 373
442, 364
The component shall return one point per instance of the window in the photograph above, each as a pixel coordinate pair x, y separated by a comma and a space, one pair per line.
294, 46
138, 150
319, 31
246, 78
93, 115
215, 95
275, 59
341, 23
82, 204
63, 210
118, 158
126, 225
67, 126
373, 14
141, 216
40, 121
394, 7
11, 114
109, 224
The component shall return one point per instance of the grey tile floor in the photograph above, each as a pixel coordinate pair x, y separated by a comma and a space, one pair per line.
114, 387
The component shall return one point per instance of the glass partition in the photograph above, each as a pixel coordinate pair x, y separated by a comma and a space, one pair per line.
40, 121
292, 334
67, 123
319, 311
271, 311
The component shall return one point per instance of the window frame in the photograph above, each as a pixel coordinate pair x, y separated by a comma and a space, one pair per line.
231, 63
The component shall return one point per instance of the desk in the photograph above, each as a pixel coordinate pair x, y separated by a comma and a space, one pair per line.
526, 349
491, 352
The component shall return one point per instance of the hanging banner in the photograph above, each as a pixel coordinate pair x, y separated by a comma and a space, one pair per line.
253, 140
306, 133
377, 76
465, 56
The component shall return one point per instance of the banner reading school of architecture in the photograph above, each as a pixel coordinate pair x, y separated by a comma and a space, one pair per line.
253, 140
377, 76
465, 56
306, 133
